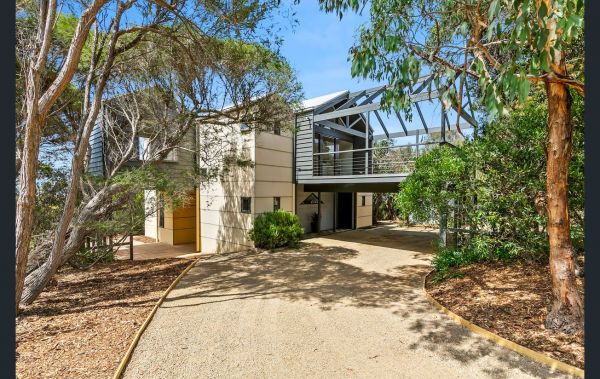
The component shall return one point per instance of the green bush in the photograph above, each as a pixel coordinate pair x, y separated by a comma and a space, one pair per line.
276, 229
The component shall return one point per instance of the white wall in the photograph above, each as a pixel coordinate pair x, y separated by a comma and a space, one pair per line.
305, 211
151, 221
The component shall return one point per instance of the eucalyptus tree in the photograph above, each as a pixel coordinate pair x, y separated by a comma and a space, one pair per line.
194, 55
505, 46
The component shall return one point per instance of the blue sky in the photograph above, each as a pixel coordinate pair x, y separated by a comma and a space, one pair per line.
318, 47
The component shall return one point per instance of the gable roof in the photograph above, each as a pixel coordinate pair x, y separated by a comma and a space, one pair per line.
315, 102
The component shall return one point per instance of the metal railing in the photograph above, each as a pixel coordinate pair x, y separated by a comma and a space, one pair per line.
371, 161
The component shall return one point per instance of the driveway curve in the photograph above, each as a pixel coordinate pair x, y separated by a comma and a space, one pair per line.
347, 305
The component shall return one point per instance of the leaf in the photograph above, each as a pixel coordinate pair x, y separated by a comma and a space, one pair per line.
494, 9
544, 61
523, 89
543, 10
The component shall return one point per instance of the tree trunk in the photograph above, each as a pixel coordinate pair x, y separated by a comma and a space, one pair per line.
96, 208
566, 314
27, 185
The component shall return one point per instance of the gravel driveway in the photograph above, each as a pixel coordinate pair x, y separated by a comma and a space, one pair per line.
348, 305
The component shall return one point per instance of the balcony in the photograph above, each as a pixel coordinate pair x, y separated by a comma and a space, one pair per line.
345, 141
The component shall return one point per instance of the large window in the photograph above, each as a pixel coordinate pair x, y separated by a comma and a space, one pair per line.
333, 156
246, 205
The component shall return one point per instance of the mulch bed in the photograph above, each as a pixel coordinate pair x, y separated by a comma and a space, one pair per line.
511, 301
84, 322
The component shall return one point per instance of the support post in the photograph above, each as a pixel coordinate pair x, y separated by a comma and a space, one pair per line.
334, 211
443, 124
131, 246
319, 212
367, 144
443, 230
417, 143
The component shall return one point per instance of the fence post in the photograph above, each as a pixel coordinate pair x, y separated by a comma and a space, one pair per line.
443, 230
130, 246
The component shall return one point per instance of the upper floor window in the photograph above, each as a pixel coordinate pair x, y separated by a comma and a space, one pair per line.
276, 203
277, 128
246, 205
245, 128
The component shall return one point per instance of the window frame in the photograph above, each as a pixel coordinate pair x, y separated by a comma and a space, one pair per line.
363, 201
276, 203
242, 209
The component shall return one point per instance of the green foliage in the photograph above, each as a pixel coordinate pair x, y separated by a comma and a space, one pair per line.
424, 195
503, 45
86, 257
51, 192
276, 229
495, 185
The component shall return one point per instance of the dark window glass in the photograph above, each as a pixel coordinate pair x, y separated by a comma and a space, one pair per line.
161, 211
364, 201
246, 205
277, 128
276, 203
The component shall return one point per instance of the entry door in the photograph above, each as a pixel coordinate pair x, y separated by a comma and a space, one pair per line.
344, 210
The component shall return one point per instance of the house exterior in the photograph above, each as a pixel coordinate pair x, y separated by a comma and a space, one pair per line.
325, 170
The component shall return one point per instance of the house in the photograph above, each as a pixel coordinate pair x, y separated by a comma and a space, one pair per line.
329, 164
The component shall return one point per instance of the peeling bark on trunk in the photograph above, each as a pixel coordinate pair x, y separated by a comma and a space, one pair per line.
95, 209
566, 314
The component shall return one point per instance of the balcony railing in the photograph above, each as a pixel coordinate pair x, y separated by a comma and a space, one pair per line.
371, 161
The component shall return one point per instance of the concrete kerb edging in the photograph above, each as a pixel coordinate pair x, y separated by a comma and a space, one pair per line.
139, 333
534, 355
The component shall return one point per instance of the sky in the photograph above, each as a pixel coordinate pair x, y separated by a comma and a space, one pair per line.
318, 50
318, 47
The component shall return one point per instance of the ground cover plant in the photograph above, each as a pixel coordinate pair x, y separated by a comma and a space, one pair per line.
276, 229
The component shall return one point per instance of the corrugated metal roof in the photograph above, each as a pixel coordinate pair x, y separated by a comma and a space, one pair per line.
319, 100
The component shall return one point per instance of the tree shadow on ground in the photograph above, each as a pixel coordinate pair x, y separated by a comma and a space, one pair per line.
331, 277
310, 272
106, 285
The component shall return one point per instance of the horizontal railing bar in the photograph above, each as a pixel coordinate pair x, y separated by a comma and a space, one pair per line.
378, 148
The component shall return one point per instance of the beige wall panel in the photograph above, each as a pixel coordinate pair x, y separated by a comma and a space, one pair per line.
165, 235
231, 219
273, 158
224, 233
211, 245
273, 174
228, 189
362, 222
221, 203
274, 142
265, 204
168, 222
363, 211
268, 189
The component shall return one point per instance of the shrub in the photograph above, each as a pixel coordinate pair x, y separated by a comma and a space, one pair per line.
276, 229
